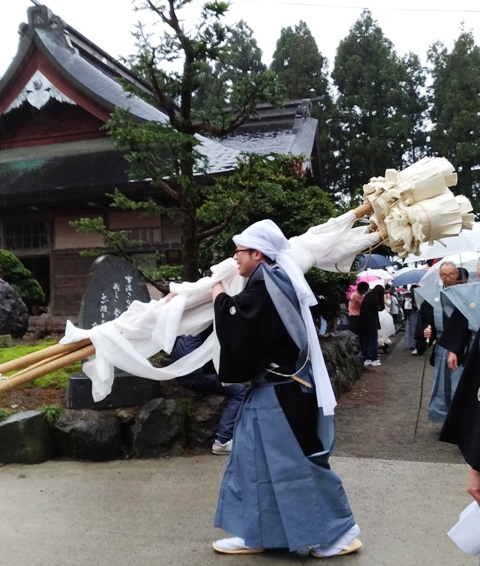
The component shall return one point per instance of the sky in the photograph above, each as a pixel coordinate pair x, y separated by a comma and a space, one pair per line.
412, 25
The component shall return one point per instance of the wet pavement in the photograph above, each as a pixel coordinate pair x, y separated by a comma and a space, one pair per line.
160, 512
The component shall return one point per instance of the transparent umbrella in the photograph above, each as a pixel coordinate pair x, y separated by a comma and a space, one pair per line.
468, 260
466, 241
380, 273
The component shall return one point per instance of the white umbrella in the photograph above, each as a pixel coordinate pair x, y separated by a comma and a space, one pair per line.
468, 260
466, 241
381, 273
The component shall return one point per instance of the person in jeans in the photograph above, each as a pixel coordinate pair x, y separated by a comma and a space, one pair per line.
206, 380
410, 310
372, 303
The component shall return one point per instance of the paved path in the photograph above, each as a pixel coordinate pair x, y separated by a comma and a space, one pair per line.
160, 512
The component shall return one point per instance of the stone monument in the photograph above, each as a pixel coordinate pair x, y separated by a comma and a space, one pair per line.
114, 285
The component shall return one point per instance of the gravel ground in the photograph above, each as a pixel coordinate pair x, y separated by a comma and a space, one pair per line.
377, 418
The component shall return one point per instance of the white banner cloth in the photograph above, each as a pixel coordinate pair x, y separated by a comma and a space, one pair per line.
147, 328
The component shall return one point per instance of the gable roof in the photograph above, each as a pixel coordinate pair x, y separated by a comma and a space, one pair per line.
67, 55
56, 62
74, 70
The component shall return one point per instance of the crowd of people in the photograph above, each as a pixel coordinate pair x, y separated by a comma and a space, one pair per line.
442, 321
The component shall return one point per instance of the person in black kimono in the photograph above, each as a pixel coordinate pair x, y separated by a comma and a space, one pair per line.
462, 424
278, 490
457, 335
432, 319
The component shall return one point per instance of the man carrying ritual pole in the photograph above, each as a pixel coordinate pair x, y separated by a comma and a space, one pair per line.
278, 490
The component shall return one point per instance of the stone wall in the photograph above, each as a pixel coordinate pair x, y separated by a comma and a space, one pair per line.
176, 423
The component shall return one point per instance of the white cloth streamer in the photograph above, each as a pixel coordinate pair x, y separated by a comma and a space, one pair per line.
146, 328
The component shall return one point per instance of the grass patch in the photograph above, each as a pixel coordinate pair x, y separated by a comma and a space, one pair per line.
52, 412
57, 379
4, 413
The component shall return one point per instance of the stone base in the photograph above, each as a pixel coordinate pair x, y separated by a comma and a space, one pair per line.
127, 391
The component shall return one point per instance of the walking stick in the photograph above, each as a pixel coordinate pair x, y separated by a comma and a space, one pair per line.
421, 390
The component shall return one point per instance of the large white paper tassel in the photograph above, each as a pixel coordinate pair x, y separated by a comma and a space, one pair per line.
415, 205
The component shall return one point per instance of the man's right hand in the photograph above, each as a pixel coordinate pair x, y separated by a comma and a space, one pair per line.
427, 333
473, 485
452, 361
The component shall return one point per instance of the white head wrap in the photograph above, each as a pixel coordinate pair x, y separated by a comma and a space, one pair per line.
267, 237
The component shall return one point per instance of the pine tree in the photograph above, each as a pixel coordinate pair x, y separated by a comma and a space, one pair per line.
370, 126
303, 71
456, 110
298, 63
168, 152
241, 57
416, 108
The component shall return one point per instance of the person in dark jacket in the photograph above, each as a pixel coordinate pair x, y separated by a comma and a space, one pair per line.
432, 320
462, 423
372, 303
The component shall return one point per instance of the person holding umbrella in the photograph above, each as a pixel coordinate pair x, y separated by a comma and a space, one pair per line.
354, 304
372, 303
432, 319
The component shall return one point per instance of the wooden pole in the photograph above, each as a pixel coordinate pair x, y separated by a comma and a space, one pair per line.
45, 367
363, 210
35, 366
34, 357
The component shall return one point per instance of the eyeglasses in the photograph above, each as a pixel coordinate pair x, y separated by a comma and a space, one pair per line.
242, 250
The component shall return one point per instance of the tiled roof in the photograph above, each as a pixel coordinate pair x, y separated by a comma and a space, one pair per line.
305, 138
278, 141
88, 78
96, 74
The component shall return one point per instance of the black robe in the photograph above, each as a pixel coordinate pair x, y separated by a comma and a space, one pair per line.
456, 335
252, 336
251, 333
462, 425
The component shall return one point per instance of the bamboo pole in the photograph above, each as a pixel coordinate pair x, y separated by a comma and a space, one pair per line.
363, 210
46, 367
35, 357
34, 366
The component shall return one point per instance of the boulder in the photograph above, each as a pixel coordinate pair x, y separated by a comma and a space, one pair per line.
13, 312
25, 438
88, 435
343, 358
158, 430
203, 419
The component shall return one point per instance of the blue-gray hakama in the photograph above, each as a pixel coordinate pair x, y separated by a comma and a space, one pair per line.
278, 497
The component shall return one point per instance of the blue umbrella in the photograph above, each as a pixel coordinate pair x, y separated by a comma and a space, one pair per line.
408, 277
374, 261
